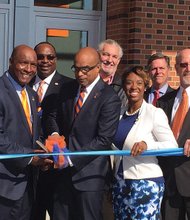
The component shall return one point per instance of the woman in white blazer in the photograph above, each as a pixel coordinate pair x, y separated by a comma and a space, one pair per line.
139, 185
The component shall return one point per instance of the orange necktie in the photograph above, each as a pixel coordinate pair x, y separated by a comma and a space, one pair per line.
156, 97
79, 102
40, 94
180, 114
25, 105
40, 91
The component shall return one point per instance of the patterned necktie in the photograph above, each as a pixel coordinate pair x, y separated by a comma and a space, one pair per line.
26, 108
40, 94
180, 114
40, 91
79, 102
156, 97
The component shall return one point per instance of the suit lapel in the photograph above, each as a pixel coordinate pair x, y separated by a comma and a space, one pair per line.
16, 100
54, 83
91, 99
184, 135
33, 109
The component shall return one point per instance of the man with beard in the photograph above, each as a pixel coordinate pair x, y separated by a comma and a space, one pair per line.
176, 203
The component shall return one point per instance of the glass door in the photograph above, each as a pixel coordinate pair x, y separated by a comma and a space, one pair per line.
68, 32
6, 33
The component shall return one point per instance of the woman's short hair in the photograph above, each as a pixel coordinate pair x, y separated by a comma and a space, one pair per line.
139, 71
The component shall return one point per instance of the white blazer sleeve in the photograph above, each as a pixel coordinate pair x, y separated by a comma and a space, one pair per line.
163, 135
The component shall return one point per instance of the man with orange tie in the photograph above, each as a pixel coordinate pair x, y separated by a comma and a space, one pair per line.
48, 81
176, 203
18, 135
158, 69
47, 84
87, 115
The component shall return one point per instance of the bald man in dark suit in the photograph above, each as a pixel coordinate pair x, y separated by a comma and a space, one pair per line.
18, 135
80, 188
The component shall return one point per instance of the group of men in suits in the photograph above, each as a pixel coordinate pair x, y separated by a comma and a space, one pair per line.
176, 202
76, 192
53, 80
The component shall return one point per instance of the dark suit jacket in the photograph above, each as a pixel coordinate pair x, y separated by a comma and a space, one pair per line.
15, 137
176, 169
93, 129
50, 97
148, 91
117, 86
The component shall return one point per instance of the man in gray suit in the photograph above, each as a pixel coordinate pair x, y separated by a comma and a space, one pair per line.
176, 203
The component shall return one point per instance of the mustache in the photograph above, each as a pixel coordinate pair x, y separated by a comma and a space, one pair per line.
106, 62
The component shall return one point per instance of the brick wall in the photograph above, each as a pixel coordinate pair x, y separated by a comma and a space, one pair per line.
145, 27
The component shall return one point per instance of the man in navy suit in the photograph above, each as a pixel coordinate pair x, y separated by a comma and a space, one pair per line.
80, 188
17, 177
158, 69
52, 82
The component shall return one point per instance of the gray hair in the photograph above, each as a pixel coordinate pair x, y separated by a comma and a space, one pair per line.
111, 42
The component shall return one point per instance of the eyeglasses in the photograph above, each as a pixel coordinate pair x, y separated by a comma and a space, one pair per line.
83, 69
184, 65
50, 57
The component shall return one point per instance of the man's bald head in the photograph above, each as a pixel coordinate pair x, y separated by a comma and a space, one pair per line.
87, 65
22, 64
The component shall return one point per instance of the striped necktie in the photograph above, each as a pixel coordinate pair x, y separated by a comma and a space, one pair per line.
180, 114
26, 108
79, 102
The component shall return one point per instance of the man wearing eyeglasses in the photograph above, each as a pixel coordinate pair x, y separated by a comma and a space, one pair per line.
158, 69
176, 203
47, 84
87, 115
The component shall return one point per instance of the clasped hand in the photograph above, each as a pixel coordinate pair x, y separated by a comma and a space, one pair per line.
43, 163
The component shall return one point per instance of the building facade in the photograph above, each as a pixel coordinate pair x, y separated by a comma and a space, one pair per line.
145, 27
142, 27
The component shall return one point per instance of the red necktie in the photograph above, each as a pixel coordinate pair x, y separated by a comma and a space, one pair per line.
180, 114
156, 97
79, 102
26, 108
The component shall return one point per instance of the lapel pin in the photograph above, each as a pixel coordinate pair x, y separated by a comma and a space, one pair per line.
96, 95
33, 99
56, 83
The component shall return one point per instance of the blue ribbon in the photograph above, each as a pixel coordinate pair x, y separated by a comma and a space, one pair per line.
163, 152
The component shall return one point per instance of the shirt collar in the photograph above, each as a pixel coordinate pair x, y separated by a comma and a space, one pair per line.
47, 80
91, 86
107, 78
17, 86
162, 90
